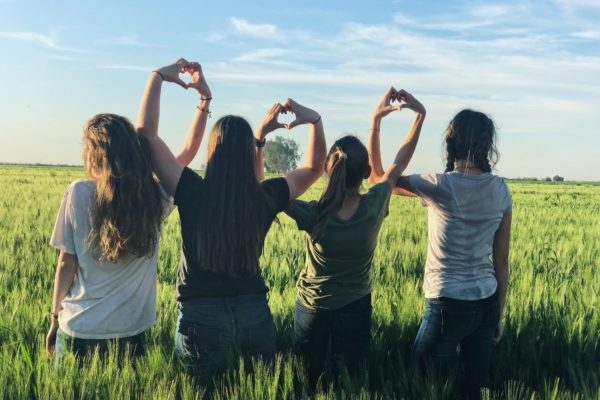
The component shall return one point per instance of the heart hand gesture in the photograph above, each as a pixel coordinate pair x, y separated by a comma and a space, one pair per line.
404, 99
304, 115
270, 122
170, 73
198, 80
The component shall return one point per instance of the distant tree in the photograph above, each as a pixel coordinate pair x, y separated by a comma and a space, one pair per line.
548, 179
281, 155
557, 178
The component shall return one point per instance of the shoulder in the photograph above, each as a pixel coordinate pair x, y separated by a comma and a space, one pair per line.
80, 189
189, 185
382, 189
277, 189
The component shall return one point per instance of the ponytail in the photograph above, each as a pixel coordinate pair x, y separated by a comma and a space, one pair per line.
333, 198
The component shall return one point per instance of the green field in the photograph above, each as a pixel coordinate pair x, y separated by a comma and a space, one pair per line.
550, 348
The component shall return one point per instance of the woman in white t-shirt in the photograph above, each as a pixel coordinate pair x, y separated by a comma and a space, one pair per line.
108, 231
466, 272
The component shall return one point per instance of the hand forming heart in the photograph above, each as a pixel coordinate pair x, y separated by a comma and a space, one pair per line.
405, 100
270, 122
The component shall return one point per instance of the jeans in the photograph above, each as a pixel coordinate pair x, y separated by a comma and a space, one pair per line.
81, 347
345, 333
459, 329
213, 331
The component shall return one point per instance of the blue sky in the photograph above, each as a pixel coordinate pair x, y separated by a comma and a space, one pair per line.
534, 66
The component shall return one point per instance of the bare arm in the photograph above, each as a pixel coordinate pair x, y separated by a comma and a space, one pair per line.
197, 128
267, 125
63, 280
501, 267
167, 167
300, 179
409, 145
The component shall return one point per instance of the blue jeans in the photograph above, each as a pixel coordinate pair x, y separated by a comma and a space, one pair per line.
459, 329
81, 347
213, 331
345, 333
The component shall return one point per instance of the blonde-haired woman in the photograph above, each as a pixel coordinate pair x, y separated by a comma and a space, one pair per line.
108, 231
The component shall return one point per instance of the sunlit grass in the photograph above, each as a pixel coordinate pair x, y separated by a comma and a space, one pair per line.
550, 347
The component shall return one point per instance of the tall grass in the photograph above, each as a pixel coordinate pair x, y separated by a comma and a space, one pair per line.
550, 348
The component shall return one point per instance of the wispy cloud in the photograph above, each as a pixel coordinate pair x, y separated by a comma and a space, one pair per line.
133, 40
266, 31
592, 35
48, 41
126, 67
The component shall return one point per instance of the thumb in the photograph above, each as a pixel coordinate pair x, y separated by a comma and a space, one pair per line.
293, 124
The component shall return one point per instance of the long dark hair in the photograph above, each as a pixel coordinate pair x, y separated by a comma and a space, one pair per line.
471, 136
127, 209
229, 230
347, 165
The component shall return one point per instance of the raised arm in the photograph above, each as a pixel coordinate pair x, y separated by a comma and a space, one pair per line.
268, 125
197, 128
63, 280
409, 145
383, 108
300, 179
501, 267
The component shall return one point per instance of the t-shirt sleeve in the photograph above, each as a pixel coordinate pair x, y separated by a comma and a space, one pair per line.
63, 236
305, 214
279, 192
168, 204
379, 197
507, 206
188, 188
428, 188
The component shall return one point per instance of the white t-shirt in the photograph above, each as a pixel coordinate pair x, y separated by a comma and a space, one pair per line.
464, 213
106, 300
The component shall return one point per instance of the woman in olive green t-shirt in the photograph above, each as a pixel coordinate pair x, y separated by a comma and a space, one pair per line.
334, 289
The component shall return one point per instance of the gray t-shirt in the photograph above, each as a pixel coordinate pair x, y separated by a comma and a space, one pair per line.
464, 213
106, 300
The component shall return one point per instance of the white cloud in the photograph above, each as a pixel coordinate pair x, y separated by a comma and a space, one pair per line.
267, 31
49, 41
489, 11
127, 67
592, 35
133, 40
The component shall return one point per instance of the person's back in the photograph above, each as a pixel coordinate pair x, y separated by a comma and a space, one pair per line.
333, 312
107, 231
337, 270
465, 211
107, 299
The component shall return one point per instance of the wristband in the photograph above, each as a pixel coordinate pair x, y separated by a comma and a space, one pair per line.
159, 74
54, 315
208, 98
206, 110
260, 143
316, 120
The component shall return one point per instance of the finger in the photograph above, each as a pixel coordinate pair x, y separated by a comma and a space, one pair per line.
293, 124
181, 83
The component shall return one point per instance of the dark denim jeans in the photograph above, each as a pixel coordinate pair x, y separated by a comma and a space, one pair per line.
81, 347
458, 329
344, 333
213, 331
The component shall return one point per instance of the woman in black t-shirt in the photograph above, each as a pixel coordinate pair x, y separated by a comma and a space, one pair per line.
224, 218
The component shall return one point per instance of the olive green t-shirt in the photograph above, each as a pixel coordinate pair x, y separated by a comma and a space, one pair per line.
337, 268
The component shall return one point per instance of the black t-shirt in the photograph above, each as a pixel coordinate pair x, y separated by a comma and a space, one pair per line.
195, 281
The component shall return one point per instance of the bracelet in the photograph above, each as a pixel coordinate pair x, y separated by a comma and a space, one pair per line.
208, 98
316, 120
374, 129
53, 315
260, 143
205, 110
159, 74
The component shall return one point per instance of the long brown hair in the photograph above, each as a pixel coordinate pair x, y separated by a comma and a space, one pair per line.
471, 136
347, 165
230, 239
126, 213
